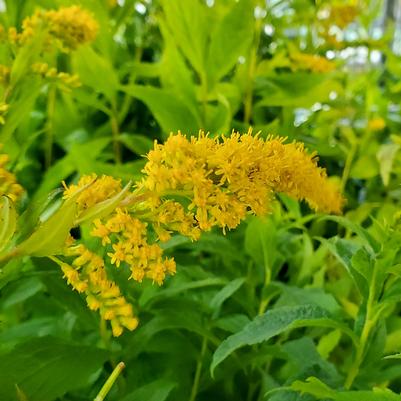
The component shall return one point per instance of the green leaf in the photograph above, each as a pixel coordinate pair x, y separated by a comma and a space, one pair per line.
315, 387
8, 221
292, 296
386, 156
344, 250
158, 390
170, 111
266, 326
179, 288
187, 23
232, 323
25, 57
261, 241
90, 65
176, 74
46, 368
321, 391
22, 290
328, 342
51, 235
225, 293
231, 39
295, 89
139, 144
362, 233
365, 167
363, 263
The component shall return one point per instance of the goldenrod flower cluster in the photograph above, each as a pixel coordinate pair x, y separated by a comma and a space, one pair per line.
70, 26
8, 181
225, 179
190, 186
311, 62
66, 80
343, 14
128, 237
87, 274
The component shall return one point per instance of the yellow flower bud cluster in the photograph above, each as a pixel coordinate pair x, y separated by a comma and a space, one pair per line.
11, 35
67, 81
128, 237
8, 181
73, 26
376, 124
69, 26
87, 274
97, 190
311, 62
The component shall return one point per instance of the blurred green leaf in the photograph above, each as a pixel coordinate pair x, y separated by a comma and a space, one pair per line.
230, 39
46, 368
171, 113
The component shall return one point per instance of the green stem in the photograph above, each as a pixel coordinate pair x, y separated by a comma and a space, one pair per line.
115, 130
8, 256
348, 165
369, 323
49, 130
199, 365
109, 382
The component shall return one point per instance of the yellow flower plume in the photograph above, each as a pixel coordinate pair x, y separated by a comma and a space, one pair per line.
71, 26
189, 186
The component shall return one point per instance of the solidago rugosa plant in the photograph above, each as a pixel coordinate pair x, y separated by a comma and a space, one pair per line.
188, 187
288, 311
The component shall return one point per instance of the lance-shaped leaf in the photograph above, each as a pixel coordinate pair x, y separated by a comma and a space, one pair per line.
8, 221
51, 235
272, 323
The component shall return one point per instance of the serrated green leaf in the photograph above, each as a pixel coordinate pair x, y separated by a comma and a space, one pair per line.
266, 326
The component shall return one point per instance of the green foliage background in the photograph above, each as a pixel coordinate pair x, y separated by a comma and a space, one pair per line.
286, 307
